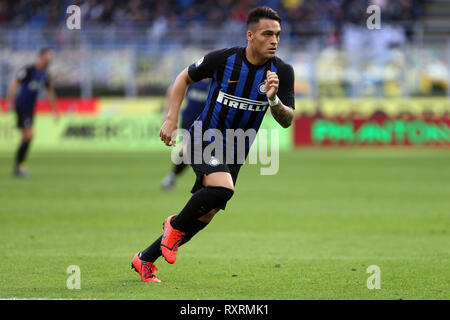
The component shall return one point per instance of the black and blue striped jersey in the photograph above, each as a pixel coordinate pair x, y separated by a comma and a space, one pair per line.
31, 80
237, 98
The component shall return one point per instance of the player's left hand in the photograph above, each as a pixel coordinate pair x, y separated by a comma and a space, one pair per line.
272, 83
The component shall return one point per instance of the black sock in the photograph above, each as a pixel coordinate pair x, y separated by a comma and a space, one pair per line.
201, 202
153, 252
192, 230
178, 168
22, 152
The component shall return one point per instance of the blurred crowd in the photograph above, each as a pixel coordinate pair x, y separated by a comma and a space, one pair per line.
348, 60
42, 13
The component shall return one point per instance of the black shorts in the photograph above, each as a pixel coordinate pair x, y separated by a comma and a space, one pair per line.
204, 167
185, 125
24, 119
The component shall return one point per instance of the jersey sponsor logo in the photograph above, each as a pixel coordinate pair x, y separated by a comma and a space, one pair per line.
241, 103
34, 85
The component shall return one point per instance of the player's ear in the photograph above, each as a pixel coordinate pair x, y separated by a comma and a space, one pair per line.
249, 35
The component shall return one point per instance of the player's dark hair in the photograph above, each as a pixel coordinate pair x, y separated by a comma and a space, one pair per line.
260, 13
44, 51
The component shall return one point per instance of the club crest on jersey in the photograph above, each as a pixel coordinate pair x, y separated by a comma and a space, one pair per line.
214, 162
262, 88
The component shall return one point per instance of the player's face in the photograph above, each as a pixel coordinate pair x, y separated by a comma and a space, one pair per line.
265, 37
46, 59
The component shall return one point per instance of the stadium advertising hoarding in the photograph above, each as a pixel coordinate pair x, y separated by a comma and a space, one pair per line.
103, 124
377, 131
134, 124
381, 122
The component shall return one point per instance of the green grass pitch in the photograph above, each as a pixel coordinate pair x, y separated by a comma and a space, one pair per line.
308, 232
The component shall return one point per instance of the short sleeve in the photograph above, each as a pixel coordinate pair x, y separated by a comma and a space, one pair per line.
207, 65
23, 74
286, 85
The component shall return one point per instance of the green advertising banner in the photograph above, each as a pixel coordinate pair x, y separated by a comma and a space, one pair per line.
102, 132
380, 131
87, 133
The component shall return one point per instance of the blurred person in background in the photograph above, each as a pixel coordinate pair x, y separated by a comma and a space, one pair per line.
22, 95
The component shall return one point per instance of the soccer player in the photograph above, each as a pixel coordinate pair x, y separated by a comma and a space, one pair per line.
196, 98
246, 81
29, 81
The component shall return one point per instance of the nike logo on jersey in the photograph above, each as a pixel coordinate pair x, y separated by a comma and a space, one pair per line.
232, 81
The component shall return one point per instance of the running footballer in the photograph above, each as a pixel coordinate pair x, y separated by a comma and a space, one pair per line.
246, 81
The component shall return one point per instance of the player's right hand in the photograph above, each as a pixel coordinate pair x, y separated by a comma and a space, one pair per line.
168, 132
9, 106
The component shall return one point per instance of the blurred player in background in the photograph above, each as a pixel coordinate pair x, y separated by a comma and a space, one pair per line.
29, 81
246, 81
196, 98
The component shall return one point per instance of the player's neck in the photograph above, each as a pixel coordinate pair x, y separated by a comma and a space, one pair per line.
40, 66
254, 58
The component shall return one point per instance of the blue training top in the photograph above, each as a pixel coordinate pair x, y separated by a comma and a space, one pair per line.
196, 98
31, 82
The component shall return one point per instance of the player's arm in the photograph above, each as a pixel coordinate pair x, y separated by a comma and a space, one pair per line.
21, 76
176, 97
51, 97
166, 104
202, 69
282, 113
11, 94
